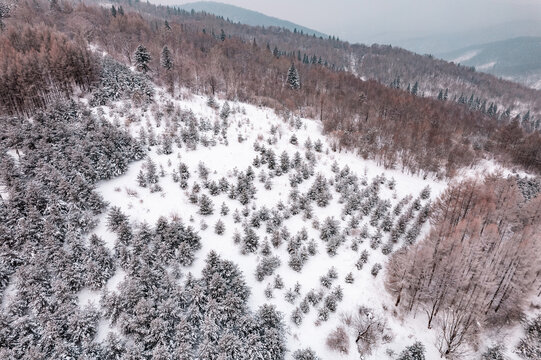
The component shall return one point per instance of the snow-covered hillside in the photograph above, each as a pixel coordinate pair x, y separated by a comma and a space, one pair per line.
374, 205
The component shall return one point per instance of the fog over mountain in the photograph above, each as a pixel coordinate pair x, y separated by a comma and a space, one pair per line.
421, 25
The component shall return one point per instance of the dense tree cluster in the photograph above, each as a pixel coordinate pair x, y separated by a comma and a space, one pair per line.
489, 235
40, 65
49, 167
204, 318
529, 346
116, 82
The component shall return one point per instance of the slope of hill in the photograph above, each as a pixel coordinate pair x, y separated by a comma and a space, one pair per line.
517, 59
386, 64
245, 16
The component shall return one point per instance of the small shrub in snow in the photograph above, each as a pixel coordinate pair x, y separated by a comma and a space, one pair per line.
224, 210
306, 354
387, 248
363, 259
355, 245
266, 267
338, 340
318, 146
155, 188
219, 228
304, 306
250, 241
237, 238
412, 234
276, 239
266, 249
364, 234
325, 281
331, 302
375, 241
314, 297
226, 110
236, 216
278, 282
417, 352
333, 244
323, 314
268, 291
425, 193
290, 296
332, 273
296, 316
319, 192
293, 140
203, 225
312, 248
329, 229
141, 179
391, 184
349, 278
212, 103
206, 207
375, 269
298, 259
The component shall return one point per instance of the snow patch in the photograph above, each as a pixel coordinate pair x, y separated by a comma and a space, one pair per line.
487, 66
466, 56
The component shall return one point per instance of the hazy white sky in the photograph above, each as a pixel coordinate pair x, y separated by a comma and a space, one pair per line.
362, 20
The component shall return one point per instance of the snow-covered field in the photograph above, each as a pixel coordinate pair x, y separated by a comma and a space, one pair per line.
253, 124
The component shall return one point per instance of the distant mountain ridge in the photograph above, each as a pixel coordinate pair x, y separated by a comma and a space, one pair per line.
245, 16
441, 43
517, 59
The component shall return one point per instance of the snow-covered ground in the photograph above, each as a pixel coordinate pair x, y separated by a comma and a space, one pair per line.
466, 56
254, 124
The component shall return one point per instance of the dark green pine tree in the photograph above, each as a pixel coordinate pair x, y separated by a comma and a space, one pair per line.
113, 11
526, 118
167, 26
222, 35
142, 59
293, 78
120, 11
166, 60
413, 352
415, 88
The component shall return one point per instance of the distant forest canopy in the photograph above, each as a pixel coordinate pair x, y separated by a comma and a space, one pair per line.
208, 55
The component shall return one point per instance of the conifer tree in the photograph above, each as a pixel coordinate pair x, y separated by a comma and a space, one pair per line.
142, 59
206, 207
415, 88
4, 13
166, 60
413, 352
293, 78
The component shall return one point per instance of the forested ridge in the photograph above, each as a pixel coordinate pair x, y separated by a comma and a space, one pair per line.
397, 128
